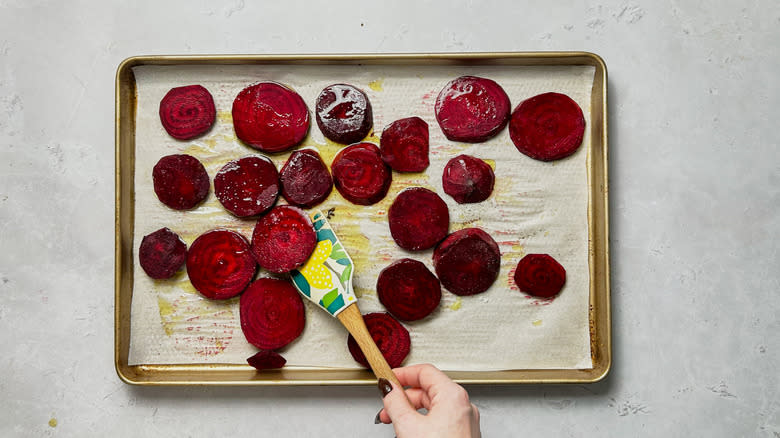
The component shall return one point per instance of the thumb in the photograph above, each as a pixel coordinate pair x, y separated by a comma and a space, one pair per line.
395, 401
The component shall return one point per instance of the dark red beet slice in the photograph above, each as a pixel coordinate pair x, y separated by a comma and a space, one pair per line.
360, 175
344, 113
270, 117
283, 239
408, 290
389, 335
468, 179
162, 253
272, 313
247, 186
404, 145
220, 265
540, 275
418, 219
305, 179
472, 109
547, 127
267, 360
467, 261
180, 181
187, 112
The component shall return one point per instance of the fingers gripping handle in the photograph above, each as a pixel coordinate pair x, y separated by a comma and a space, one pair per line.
353, 321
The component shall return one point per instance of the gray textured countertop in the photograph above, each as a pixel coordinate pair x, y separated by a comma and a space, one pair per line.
695, 202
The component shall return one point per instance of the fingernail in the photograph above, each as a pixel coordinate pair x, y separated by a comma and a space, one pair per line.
384, 387
377, 420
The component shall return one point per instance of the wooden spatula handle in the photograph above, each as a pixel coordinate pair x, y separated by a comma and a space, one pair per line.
353, 321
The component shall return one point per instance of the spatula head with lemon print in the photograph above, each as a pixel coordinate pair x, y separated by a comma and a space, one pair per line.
326, 280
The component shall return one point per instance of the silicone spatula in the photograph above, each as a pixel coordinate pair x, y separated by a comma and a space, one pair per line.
326, 280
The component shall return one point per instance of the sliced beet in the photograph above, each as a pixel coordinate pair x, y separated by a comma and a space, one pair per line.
162, 253
283, 239
360, 175
270, 117
468, 179
266, 360
547, 127
220, 265
389, 335
187, 112
540, 275
408, 290
272, 313
404, 145
418, 219
305, 179
247, 186
344, 113
467, 261
180, 181
472, 109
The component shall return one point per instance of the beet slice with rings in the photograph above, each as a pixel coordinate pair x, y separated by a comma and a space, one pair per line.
305, 179
360, 175
408, 290
187, 112
404, 145
472, 109
547, 127
162, 253
270, 117
283, 239
540, 275
180, 181
266, 360
467, 261
389, 335
418, 218
468, 179
220, 265
247, 186
272, 313
344, 113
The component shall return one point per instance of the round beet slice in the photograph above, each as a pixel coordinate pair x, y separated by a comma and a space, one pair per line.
247, 186
180, 181
305, 179
408, 290
360, 175
272, 313
162, 253
418, 219
467, 261
270, 117
468, 179
266, 360
540, 275
404, 145
472, 109
220, 265
283, 239
547, 127
344, 113
389, 335
187, 112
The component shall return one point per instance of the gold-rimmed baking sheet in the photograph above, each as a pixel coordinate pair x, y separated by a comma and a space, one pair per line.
594, 185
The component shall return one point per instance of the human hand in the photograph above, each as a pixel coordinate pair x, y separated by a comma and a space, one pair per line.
450, 413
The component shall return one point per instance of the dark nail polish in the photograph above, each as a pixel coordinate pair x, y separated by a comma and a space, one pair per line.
384, 387
377, 420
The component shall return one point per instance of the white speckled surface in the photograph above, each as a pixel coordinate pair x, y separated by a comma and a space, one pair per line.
695, 224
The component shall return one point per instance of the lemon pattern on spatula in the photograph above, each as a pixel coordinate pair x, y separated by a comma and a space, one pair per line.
314, 271
326, 277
